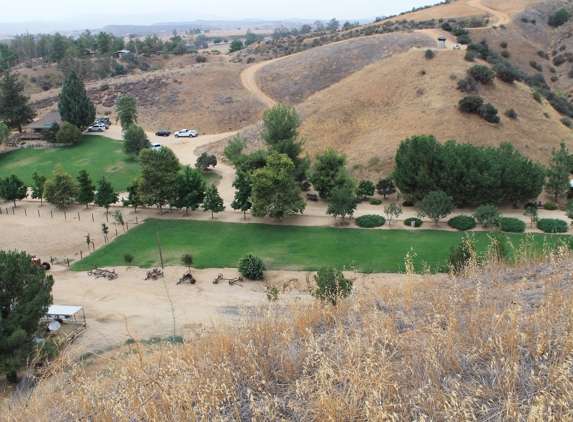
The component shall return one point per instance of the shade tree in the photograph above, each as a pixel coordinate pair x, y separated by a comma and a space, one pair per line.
190, 189
386, 186
242, 185
12, 188
342, 202
213, 201
60, 190
328, 172
38, 186
135, 140
436, 205
158, 171
105, 196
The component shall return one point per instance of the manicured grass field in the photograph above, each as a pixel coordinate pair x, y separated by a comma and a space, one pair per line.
217, 244
98, 155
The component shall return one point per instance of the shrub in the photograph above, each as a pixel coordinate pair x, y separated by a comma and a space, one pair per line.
551, 206
489, 113
566, 121
417, 222
252, 267
462, 222
467, 85
375, 201
459, 257
536, 96
407, 203
464, 39
481, 73
104, 87
543, 54
487, 215
505, 54
200, 59
554, 78
370, 220
552, 225
503, 44
511, 113
536, 65
512, 225
559, 60
429, 54
458, 32
471, 103
506, 73
469, 56
330, 285
558, 18
447, 27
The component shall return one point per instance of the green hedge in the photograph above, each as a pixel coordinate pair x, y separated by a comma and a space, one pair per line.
370, 220
512, 225
408, 221
551, 206
552, 225
462, 222
375, 201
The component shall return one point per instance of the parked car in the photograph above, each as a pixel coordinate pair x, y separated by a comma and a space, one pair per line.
104, 124
457, 46
186, 132
103, 119
163, 133
156, 147
96, 127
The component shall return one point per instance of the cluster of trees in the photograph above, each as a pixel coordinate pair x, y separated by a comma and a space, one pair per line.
469, 174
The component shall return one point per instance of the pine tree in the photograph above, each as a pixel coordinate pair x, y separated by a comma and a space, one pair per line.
105, 195
213, 202
38, 188
74, 105
26, 295
12, 189
126, 109
14, 111
242, 184
558, 172
86, 192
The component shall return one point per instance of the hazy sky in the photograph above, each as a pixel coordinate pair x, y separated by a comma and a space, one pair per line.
63, 10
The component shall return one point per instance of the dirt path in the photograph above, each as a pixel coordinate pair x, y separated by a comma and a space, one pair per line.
502, 18
249, 77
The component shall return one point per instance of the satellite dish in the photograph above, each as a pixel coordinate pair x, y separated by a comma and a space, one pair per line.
54, 326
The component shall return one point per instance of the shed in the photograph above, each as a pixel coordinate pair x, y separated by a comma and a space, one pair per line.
442, 42
119, 54
45, 122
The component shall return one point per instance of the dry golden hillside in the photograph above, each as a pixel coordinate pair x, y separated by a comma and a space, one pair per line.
369, 113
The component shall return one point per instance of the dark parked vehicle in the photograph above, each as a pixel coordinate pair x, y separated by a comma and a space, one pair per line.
163, 133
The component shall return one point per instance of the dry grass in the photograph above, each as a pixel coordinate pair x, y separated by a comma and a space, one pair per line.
492, 344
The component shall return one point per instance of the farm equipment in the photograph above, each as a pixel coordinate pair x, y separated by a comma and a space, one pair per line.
230, 280
102, 272
154, 274
38, 262
187, 278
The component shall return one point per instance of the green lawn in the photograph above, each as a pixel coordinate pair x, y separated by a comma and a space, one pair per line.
217, 244
96, 154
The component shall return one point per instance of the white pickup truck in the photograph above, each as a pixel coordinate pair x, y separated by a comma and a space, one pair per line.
186, 132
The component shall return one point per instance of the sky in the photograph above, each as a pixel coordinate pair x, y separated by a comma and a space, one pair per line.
182, 10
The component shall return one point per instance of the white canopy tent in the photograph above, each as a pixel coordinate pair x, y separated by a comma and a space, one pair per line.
73, 314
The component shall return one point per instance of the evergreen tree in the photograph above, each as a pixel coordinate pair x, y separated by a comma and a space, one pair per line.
126, 109
242, 184
365, 188
61, 190
558, 172
190, 189
38, 188
86, 191
74, 105
274, 191
135, 140
14, 111
342, 202
12, 189
159, 174
105, 195
134, 196
50, 134
213, 202
24, 299
5, 132
68, 134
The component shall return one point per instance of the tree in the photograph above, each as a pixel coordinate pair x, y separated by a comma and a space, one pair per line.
4, 133
242, 184
328, 172
236, 45
481, 73
68, 134
274, 191
86, 190
487, 215
342, 202
558, 172
365, 188
205, 160
332, 25
128, 258
38, 188
435, 205
61, 190
252, 267
213, 202
105, 195
24, 300
126, 109
12, 189
158, 170
331, 285
135, 140
386, 187
392, 210
50, 134
280, 133
134, 195
471, 103
14, 110
105, 231
74, 104
531, 212
118, 217
187, 260
190, 189
558, 18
